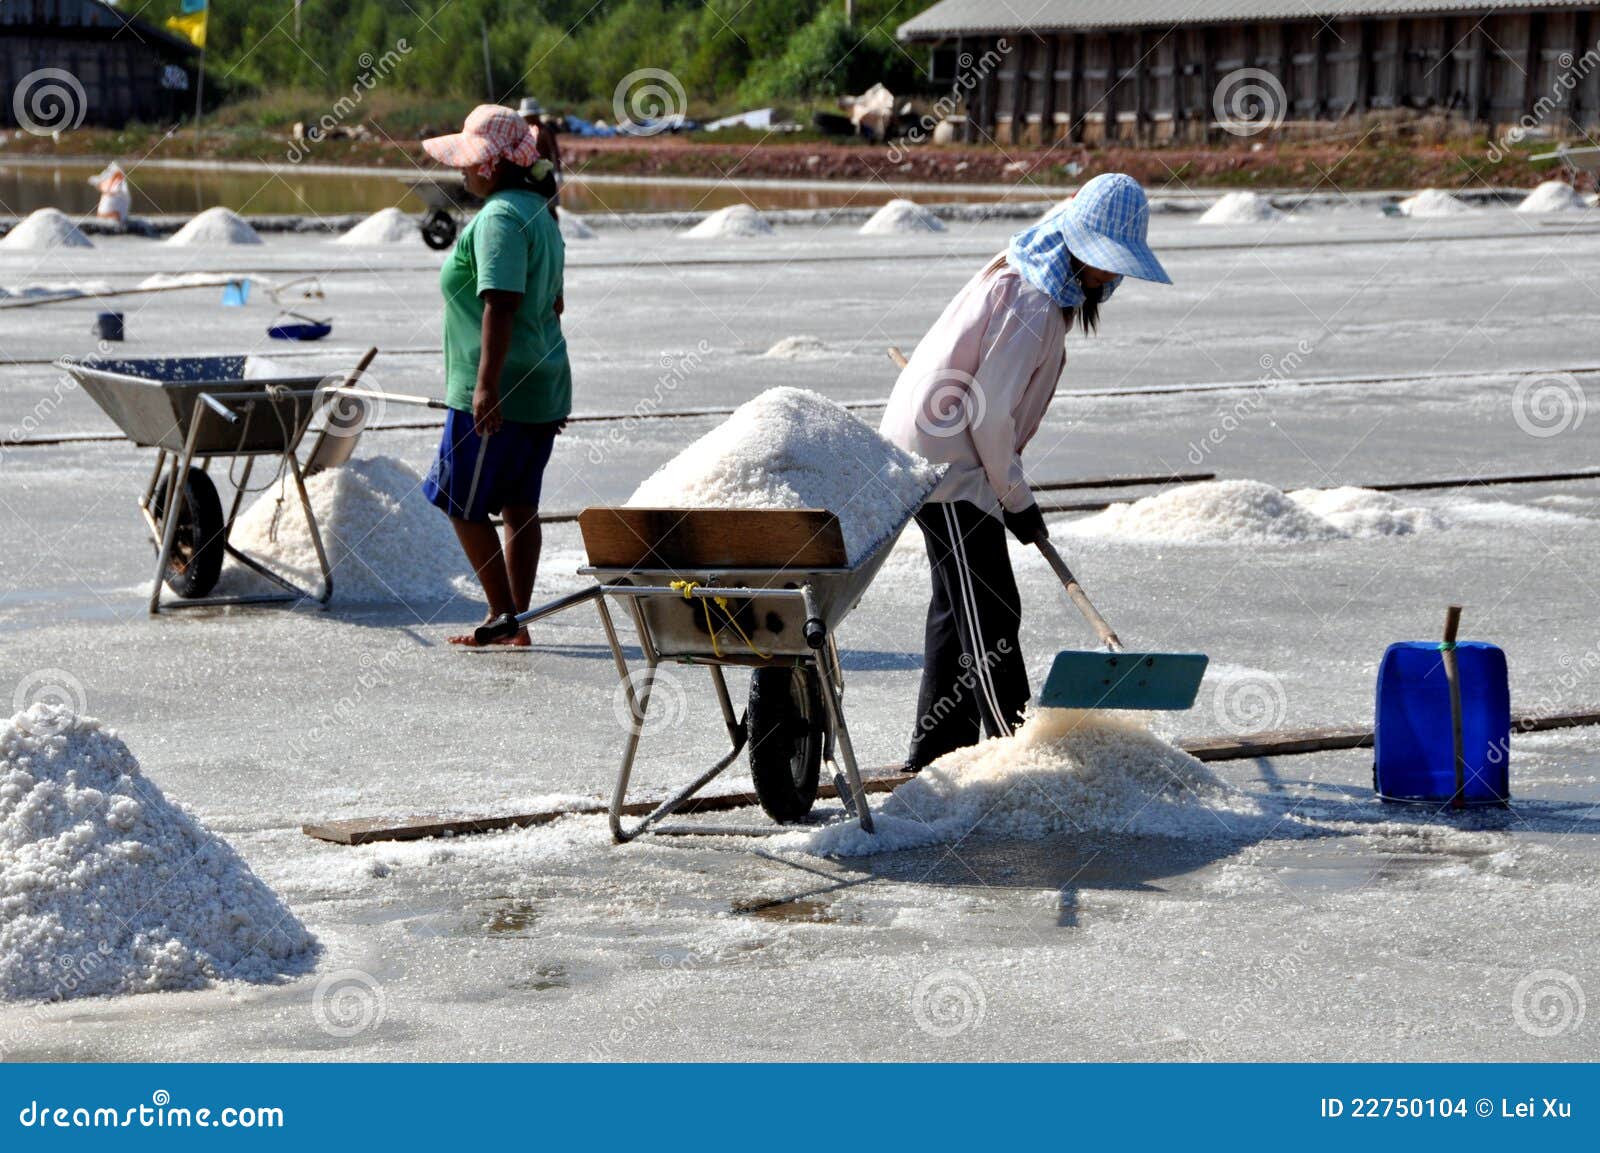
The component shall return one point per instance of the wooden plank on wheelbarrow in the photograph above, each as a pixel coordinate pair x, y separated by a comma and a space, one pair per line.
805, 538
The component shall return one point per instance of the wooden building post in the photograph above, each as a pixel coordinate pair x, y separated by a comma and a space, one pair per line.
1047, 112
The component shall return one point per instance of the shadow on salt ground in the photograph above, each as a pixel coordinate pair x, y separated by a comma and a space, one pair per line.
850, 660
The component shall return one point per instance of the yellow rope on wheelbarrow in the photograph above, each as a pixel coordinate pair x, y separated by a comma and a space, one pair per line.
687, 589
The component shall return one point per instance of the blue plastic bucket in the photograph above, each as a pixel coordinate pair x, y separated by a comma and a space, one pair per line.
108, 325
1414, 748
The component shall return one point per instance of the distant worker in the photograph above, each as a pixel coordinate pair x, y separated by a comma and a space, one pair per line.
544, 135
112, 184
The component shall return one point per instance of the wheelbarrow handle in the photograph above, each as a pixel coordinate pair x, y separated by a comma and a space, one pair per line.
507, 625
1079, 598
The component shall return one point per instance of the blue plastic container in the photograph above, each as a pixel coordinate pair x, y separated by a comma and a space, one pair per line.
1414, 751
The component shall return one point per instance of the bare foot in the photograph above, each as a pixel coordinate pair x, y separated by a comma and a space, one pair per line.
470, 640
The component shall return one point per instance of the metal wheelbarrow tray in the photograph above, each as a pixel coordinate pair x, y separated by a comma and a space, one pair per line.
763, 589
203, 408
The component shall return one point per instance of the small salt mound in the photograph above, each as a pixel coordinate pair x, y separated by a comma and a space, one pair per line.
1362, 512
384, 540
215, 226
736, 220
1064, 771
573, 226
796, 348
1212, 512
900, 217
107, 887
1433, 202
384, 227
46, 228
1241, 208
792, 448
1553, 196
187, 279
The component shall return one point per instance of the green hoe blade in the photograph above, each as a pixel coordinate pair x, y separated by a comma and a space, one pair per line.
1105, 680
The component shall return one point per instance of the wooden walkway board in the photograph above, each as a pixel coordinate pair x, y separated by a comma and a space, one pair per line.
712, 538
1280, 743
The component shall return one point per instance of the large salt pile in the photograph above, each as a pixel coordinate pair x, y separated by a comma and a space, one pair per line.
385, 227
1064, 771
573, 226
1553, 196
1241, 208
736, 220
1364, 512
900, 217
384, 540
792, 448
215, 226
107, 887
46, 228
1433, 202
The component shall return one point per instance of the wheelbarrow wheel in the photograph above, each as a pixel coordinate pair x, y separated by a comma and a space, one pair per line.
439, 230
786, 737
195, 565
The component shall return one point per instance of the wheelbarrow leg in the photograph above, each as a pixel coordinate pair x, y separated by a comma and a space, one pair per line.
311, 523
833, 705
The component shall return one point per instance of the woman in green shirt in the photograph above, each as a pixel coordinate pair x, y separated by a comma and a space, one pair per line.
508, 382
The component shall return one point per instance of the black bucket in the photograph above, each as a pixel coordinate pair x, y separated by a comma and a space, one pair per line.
108, 325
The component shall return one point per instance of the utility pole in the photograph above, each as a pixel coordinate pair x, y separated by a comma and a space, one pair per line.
849, 12
488, 69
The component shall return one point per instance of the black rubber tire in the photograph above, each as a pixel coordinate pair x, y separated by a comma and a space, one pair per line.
195, 565
786, 734
439, 230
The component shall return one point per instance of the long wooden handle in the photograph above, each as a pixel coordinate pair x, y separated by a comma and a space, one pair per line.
1452, 676
897, 356
1078, 597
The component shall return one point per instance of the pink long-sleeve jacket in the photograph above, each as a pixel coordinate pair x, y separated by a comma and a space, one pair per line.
978, 385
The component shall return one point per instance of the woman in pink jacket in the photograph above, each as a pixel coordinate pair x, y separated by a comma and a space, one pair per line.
971, 397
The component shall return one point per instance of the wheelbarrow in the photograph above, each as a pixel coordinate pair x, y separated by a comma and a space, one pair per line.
763, 589
445, 197
201, 409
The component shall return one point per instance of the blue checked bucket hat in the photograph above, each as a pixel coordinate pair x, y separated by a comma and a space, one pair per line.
1104, 226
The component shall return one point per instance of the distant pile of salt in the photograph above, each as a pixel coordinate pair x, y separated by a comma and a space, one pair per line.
736, 220
1433, 202
792, 448
215, 226
46, 228
384, 540
107, 887
573, 226
900, 217
1241, 208
1064, 771
796, 348
1553, 196
385, 227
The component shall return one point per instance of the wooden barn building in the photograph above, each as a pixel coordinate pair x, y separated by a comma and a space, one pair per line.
121, 68
1043, 71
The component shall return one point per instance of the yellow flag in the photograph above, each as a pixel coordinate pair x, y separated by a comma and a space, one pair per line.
191, 27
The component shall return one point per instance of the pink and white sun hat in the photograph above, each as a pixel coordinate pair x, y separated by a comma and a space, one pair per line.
492, 132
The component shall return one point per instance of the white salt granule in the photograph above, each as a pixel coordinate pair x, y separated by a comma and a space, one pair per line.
573, 226
384, 540
901, 217
1241, 208
1433, 202
385, 227
793, 448
796, 348
736, 220
1064, 771
1553, 196
46, 228
1363, 512
215, 226
107, 887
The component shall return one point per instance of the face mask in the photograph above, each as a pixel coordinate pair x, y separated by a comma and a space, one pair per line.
1108, 288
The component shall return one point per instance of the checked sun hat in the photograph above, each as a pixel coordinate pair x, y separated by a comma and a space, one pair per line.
1104, 226
492, 132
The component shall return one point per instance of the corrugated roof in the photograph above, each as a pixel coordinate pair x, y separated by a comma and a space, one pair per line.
974, 17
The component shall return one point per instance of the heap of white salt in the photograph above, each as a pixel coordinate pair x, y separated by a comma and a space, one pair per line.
107, 887
1241, 208
573, 226
385, 227
384, 540
46, 228
799, 347
736, 220
1553, 196
215, 226
899, 217
1433, 202
792, 448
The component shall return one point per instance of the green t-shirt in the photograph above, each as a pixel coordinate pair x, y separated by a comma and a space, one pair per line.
513, 244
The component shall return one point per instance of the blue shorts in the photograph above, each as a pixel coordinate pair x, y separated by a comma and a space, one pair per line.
512, 470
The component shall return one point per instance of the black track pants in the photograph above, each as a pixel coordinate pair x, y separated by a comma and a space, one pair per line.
972, 673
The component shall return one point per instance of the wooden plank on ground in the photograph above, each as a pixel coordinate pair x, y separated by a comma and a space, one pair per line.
807, 538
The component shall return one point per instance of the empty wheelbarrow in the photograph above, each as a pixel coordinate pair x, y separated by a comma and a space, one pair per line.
446, 197
195, 410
